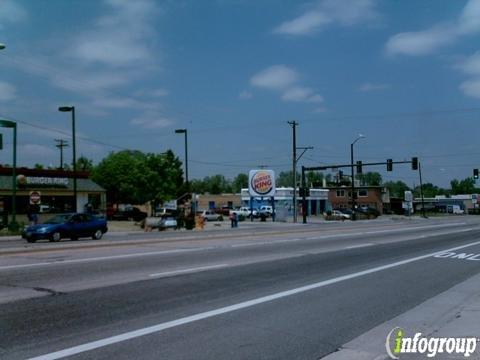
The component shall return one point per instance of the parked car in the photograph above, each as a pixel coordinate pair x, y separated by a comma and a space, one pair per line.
71, 226
265, 210
224, 210
210, 215
367, 213
340, 215
167, 222
132, 213
455, 209
244, 211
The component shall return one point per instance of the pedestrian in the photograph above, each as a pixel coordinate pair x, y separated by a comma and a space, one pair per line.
32, 214
232, 219
236, 219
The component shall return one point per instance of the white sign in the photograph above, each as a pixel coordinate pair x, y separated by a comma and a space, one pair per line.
261, 183
170, 205
408, 196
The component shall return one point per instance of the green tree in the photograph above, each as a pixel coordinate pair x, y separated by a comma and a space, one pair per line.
465, 186
285, 179
429, 191
38, 166
314, 179
240, 182
84, 164
369, 178
134, 177
396, 188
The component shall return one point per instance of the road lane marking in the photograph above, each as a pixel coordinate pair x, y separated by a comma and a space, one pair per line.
227, 309
358, 246
273, 242
186, 271
102, 258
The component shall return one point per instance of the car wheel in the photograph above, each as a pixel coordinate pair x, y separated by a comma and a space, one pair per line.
97, 235
56, 237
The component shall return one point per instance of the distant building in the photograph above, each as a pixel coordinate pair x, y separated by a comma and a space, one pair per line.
54, 187
317, 202
376, 197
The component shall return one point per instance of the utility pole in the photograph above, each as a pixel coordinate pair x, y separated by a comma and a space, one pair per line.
421, 189
294, 125
61, 144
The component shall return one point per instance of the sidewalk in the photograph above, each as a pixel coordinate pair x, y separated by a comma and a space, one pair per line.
454, 313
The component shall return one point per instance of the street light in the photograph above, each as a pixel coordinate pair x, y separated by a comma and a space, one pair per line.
360, 136
11, 124
184, 131
72, 110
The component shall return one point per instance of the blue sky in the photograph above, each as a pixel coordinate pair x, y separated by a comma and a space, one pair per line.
406, 74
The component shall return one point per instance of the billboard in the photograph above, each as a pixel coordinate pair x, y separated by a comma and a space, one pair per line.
261, 183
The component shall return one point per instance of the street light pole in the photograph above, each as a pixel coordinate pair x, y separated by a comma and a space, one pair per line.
10, 124
184, 131
72, 110
360, 136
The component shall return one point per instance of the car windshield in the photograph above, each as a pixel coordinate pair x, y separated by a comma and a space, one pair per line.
58, 219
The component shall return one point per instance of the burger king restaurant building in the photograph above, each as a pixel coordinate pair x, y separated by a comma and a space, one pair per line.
317, 202
52, 190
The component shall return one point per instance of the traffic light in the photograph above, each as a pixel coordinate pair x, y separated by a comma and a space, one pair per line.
359, 167
1, 141
414, 163
389, 164
475, 174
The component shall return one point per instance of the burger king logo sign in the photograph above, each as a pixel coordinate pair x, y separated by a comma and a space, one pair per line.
261, 183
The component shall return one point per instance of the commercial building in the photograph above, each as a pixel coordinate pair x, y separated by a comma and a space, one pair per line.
372, 196
317, 202
52, 190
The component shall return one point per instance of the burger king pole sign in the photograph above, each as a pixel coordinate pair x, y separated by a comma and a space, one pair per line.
261, 183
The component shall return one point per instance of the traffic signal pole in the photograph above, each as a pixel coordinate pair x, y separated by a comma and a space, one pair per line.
421, 189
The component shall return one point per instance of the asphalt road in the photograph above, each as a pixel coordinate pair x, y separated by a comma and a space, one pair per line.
290, 293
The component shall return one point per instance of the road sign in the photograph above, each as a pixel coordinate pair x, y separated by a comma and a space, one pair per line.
261, 183
35, 198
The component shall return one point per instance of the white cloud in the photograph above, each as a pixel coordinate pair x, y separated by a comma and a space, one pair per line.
276, 77
7, 91
301, 94
471, 65
471, 88
285, 80
245, 95
329, 12
366, 87
427, 41
469, 21
120, 38
151, 120
12, 12
420, 42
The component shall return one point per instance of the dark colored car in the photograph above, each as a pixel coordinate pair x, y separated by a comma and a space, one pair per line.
133, 213
71, 226
367, 213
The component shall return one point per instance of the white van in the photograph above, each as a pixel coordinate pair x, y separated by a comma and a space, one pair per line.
455, 209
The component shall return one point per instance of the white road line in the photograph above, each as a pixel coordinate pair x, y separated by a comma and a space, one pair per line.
191, 270
243, 305
113, 257
323, 237
357, 246
102, 258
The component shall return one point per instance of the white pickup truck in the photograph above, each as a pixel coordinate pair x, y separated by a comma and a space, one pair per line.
245, 211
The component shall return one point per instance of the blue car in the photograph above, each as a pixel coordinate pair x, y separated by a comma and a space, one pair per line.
71, 226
